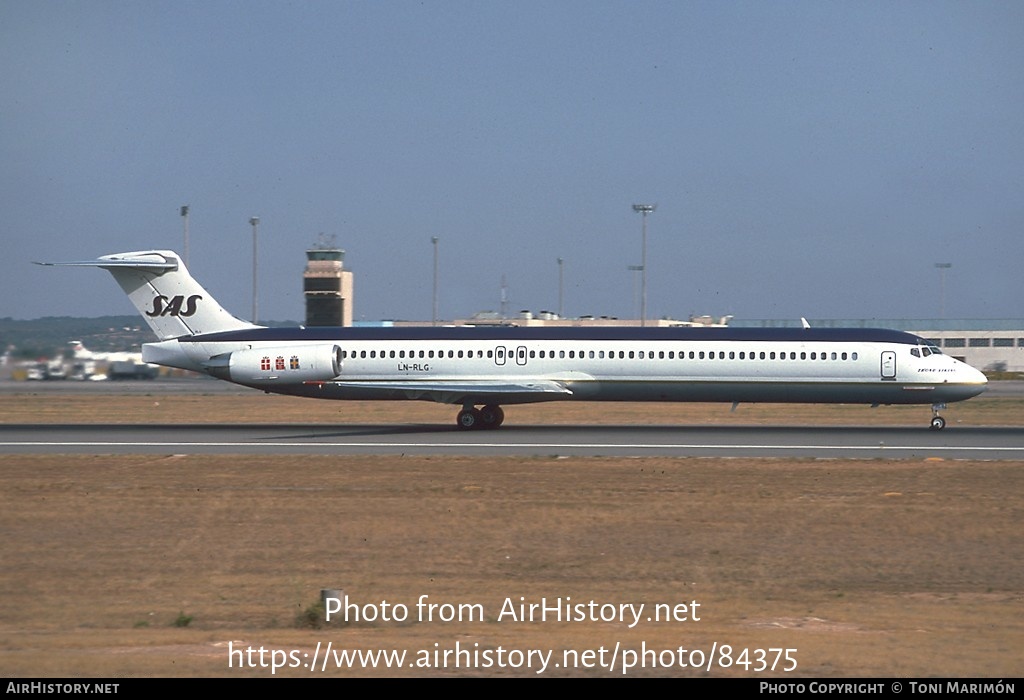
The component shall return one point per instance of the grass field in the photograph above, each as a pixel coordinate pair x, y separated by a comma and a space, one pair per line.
143, 566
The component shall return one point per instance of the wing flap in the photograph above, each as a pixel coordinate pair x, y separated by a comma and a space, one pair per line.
455, 391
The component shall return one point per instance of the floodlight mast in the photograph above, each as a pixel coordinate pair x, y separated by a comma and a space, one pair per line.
184, 216
561, 297
435, 240
643, 210
942, 267
255, 223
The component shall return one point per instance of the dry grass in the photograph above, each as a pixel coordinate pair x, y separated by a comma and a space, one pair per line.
867, 568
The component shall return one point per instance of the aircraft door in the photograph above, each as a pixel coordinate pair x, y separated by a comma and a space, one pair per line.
499, 355
521, 355
889, 365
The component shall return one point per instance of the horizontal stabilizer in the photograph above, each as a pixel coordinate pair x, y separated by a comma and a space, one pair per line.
145, 261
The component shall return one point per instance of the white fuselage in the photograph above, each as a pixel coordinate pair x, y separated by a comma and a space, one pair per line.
490, 366
700, 365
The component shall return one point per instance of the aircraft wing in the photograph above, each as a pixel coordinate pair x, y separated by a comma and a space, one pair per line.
454, 391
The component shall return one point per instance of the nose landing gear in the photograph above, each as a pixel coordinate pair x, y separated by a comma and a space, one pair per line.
938, 422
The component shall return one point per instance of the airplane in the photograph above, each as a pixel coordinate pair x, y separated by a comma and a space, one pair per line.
481, 369
83, 353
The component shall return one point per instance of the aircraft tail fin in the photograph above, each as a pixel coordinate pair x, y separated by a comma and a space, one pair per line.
161, 288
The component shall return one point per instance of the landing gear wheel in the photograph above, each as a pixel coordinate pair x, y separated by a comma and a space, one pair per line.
938, 423
491, 416
469, 418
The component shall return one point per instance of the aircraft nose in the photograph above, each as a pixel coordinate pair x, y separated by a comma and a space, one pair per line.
974, 376
980, 378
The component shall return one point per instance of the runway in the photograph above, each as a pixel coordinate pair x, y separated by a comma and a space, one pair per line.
991, 443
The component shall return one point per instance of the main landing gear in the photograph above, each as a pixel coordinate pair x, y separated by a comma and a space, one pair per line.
471, 418
938, 422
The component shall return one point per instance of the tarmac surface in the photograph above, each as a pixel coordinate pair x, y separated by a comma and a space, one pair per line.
995, 443
815, 442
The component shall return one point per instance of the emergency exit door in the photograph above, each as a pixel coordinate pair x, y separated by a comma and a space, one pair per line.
889, 365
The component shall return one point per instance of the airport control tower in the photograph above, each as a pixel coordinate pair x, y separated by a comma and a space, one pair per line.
327, 286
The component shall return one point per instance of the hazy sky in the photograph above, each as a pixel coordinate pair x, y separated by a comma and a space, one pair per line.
807, 158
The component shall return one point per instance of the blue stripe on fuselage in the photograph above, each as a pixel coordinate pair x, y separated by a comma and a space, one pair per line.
516, 334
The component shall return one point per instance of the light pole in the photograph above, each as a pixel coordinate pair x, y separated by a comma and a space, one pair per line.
634, 269
434, 240
942, 287
644, 210
560, 287
255, 222
184, 215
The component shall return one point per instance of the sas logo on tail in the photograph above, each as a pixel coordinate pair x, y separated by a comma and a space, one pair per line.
162, 306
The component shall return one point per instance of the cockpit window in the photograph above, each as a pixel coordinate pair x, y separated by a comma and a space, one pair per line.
915, 352
935, 350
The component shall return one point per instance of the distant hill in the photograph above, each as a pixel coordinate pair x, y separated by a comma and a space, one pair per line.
50, 336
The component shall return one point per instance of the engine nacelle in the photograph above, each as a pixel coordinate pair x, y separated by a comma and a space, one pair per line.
280, 365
